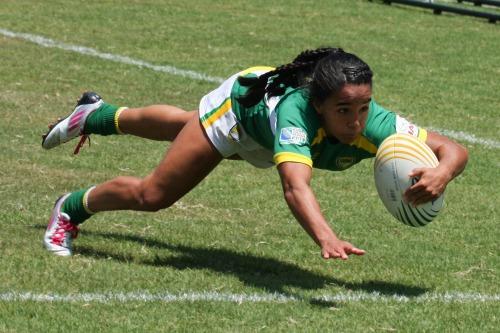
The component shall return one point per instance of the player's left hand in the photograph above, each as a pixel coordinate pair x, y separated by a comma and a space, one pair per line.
431, 183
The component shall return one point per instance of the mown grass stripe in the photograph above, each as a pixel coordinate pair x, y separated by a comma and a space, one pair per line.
47, 42
210, 296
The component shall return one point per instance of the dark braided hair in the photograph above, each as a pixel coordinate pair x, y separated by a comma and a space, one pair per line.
323, 70
334, 71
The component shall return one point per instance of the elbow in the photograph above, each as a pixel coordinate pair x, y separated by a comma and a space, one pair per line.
455, 151
465, 153
463, 157
294, 194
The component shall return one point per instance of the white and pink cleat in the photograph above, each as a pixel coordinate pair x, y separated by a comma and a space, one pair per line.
72, 126
60, 231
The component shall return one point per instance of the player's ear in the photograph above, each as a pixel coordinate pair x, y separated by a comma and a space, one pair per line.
318, 106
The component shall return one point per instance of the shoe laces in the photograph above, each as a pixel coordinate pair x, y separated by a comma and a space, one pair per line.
81, 142
64, 226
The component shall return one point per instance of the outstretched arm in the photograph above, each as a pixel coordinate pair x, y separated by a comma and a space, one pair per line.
295, 178
452, 160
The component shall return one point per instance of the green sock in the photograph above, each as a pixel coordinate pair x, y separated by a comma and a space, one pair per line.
73, 206
101, 121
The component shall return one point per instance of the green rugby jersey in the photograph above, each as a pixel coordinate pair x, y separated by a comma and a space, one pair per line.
296, 134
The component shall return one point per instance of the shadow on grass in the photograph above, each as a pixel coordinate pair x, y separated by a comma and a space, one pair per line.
266, 273
269, 274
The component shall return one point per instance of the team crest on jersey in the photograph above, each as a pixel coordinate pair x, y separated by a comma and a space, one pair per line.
234, 134
293, 136
344, 162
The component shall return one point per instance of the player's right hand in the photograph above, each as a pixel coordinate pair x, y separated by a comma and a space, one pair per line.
340, 249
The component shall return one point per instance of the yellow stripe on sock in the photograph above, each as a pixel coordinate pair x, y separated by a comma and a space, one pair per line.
117, 116
86, 201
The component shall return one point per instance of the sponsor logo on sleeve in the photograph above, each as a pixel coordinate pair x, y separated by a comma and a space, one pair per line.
292, 136
403, 126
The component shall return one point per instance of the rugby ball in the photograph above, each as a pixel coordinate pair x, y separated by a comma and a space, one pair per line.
396, 157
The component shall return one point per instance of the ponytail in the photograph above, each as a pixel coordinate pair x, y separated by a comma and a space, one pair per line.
274, 83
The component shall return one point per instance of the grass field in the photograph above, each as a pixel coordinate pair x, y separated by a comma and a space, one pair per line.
229, 256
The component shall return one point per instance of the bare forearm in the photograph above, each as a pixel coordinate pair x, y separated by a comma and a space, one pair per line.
306, 210
432, 182
295, 178
452, 159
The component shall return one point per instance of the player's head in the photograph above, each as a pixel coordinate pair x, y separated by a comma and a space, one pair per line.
340, 90
331, 76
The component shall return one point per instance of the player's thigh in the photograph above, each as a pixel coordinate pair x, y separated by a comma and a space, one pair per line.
189, 160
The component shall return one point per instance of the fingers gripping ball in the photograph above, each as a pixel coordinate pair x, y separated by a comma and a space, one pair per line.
396, 157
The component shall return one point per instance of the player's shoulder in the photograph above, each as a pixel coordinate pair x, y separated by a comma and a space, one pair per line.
294, 101
377, 111
379, 125
379, 116
382, 123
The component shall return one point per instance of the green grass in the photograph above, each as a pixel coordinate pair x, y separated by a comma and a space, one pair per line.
234, 234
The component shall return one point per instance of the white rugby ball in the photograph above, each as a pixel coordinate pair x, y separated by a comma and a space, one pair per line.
396, 157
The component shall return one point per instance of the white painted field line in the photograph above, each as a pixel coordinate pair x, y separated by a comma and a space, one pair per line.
354, 297
47, 42
471, 138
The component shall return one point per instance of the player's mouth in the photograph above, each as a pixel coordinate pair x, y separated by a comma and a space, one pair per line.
349, 137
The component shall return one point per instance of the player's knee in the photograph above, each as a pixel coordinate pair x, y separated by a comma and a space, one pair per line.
153, 199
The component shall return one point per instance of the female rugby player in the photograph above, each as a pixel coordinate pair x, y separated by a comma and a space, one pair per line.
316, 111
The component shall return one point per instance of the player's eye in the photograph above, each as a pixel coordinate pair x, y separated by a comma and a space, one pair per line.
364, 109
343, 110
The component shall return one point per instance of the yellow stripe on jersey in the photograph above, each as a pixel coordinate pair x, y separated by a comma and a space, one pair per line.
320, 135
225, 107
292, 157
422, 135
256, 69
363, 143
